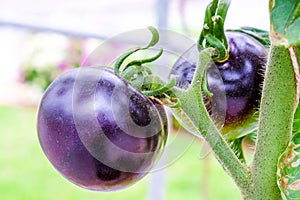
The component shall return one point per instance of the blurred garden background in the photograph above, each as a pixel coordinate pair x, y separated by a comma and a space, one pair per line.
39, 39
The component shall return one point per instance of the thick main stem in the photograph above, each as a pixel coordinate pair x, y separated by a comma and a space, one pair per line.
275, 124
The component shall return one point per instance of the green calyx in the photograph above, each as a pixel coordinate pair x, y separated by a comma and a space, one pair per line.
122, 58
213, 33
141, 77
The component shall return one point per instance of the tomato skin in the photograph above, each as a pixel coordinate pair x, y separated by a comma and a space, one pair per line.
240, 78
98, 131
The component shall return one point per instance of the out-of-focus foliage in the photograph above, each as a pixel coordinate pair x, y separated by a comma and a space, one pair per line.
49, 58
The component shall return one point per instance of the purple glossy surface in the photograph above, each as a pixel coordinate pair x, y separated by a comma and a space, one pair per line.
240, 77
98, 131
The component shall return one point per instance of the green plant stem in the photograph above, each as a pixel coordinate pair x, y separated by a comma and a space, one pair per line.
275, 124
193, 105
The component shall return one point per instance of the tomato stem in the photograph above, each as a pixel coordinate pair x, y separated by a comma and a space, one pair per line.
193, 107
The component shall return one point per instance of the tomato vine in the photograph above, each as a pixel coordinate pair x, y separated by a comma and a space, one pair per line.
279, 101
267, 177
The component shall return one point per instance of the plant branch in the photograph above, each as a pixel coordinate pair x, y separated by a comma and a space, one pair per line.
193, 106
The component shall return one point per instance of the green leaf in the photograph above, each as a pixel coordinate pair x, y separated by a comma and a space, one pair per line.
155, 37
288, 173
138, 81
293, 32
285, 18
146, 60
260, 35
162, 89
128, 72
122, 58
237, 147
212, 33
296, 122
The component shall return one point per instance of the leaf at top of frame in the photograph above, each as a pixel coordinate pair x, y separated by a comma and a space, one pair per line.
285, 20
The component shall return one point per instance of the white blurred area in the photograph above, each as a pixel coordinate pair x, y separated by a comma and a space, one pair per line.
95, 21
